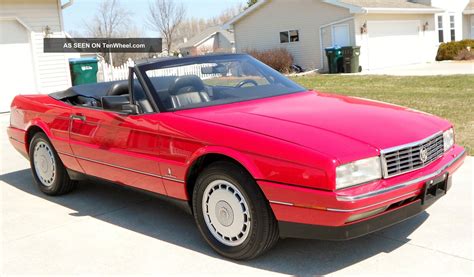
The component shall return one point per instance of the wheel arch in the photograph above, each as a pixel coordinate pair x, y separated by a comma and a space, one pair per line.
208, 155
33, 128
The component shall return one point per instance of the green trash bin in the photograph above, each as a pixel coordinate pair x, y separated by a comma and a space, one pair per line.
334, 55
351, 59
83, 70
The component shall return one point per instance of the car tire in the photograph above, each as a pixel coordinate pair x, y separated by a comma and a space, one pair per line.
231, 212
48, 171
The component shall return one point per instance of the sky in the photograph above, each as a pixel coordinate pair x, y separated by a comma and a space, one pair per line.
83, 10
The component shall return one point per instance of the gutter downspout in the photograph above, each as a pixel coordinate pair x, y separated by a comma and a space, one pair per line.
60, 11
62, 7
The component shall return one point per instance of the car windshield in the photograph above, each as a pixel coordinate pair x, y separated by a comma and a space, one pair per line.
213, 80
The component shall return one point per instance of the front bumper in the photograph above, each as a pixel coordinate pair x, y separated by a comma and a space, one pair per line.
310, 213
351, 231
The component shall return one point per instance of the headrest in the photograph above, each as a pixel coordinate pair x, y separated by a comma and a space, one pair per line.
120, 88
184, 83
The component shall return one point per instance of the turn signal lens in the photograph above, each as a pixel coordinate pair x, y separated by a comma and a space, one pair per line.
448, 139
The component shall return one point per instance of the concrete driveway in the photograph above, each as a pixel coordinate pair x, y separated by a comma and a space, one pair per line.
425, 69
106, 229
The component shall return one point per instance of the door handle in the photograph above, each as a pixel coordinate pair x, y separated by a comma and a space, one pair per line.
78, 117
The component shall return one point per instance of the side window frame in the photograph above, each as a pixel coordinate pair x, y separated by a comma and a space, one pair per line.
452, 27
440, 28
287, 37
133, 72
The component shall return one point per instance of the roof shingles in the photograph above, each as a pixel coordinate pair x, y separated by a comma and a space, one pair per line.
391, 4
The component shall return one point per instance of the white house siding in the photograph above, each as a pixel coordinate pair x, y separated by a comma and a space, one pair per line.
223, 43
51, 69
261, 29
426, 46
468, 23
207, 46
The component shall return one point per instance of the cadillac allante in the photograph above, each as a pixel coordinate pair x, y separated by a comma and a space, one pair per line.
253, 156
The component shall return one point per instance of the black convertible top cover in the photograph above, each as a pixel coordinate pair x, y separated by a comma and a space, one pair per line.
96, 90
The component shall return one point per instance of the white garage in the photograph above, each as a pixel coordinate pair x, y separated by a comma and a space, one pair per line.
17, 62
392, 43
25, 68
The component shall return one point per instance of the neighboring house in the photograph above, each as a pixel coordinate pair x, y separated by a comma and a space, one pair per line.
25, 68
456, 22
389, 32
213, 39
468, 21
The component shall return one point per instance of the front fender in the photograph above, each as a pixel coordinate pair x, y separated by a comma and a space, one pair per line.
244, 160
268, 168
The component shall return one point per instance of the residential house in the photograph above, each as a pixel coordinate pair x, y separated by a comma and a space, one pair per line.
213, 39
389, 32
25, 68
455, 22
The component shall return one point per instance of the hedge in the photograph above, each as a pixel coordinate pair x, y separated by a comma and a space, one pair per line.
279, 59
450, 50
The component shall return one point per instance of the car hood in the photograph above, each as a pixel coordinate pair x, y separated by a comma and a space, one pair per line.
328, 123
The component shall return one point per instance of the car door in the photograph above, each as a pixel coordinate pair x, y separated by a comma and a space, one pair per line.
116, 146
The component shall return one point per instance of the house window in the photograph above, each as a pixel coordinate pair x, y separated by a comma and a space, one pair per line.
284, 38
451, 27
294, 36
440, 29
289, 36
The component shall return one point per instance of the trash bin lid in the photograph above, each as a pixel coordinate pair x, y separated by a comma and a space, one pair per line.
82, 60
351, 47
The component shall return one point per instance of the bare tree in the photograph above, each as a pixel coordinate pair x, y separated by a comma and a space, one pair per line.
110, 20
227, 14
165, 16
131, 32
193, 26
251, 3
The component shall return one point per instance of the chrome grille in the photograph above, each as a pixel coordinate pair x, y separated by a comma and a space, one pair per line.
403, 159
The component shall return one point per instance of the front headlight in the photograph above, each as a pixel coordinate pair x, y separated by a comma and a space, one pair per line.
448, 139
358, 172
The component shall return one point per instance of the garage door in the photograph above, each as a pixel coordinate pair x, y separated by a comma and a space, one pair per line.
392, 43
16, 62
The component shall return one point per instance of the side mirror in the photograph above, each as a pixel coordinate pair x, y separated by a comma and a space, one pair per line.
130, 109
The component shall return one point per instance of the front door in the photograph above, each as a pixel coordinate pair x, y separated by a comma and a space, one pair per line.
341, 35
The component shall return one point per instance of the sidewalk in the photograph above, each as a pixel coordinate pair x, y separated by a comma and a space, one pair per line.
426, 69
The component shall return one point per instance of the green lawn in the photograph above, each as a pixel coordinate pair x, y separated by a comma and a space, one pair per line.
450, 97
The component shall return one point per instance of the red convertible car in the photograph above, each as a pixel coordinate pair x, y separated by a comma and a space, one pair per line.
251, 154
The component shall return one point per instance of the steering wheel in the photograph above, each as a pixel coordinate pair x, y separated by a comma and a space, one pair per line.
246, 81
